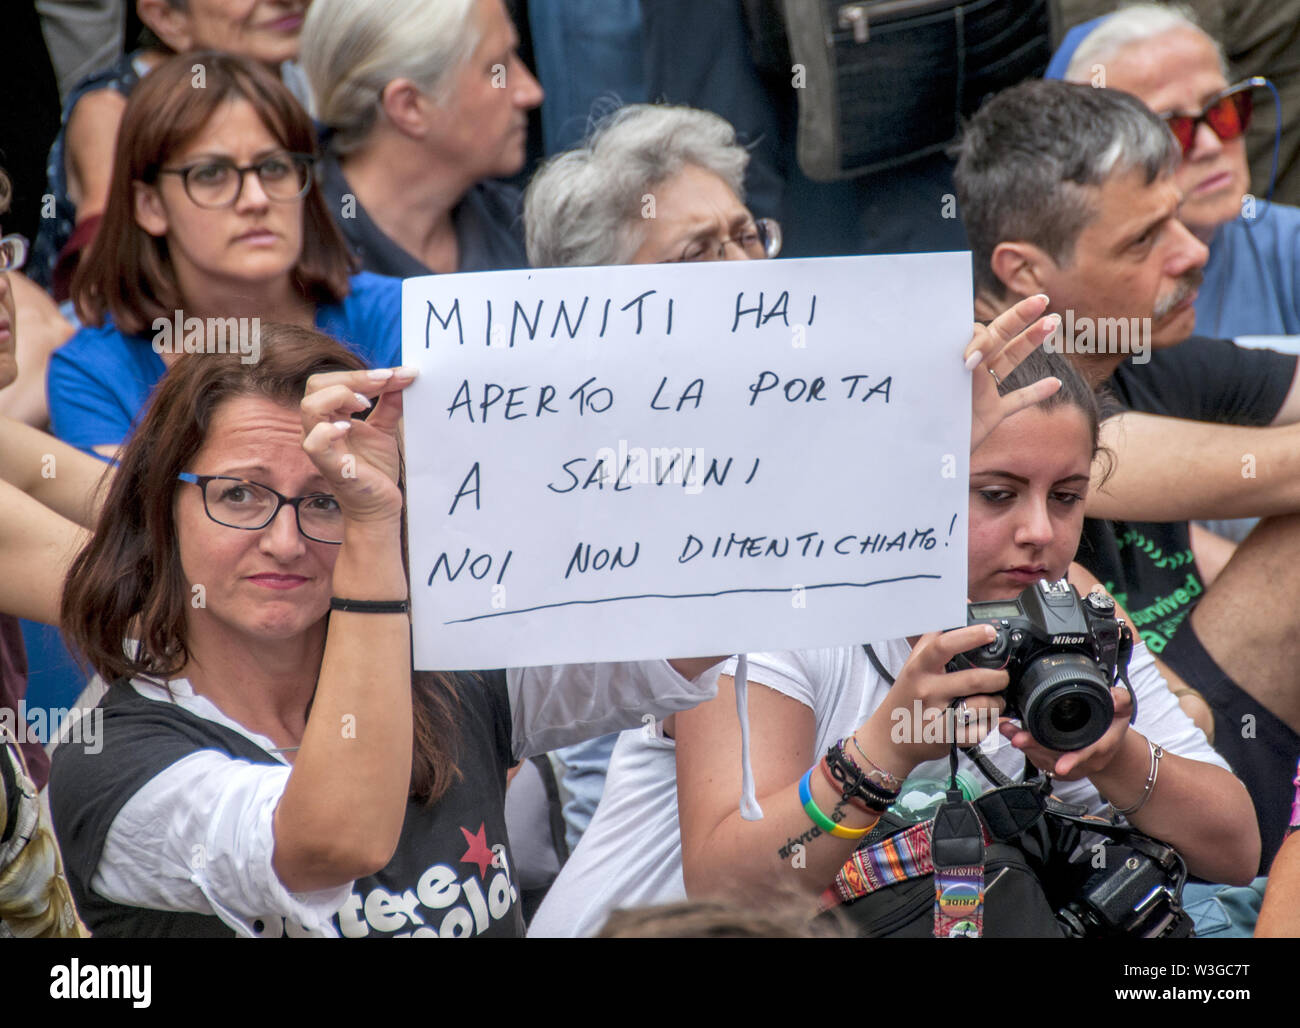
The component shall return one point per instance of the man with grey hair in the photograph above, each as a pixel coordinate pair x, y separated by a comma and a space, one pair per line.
1069, 191
1258, 37
1158, 53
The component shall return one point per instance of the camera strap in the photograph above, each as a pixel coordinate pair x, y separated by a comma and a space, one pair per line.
957, 850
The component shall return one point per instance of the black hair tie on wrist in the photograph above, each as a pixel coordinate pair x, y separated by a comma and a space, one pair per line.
370, 606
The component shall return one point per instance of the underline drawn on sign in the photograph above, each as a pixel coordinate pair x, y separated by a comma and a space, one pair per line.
691, 596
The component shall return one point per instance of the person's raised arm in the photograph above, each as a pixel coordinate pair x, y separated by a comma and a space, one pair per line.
36, 547
341, 813
720, 850
61, 477
1170, 469
90, 141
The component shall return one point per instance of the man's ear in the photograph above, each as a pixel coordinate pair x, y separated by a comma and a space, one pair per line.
1022, 268
169, 24
406, 107
150, 214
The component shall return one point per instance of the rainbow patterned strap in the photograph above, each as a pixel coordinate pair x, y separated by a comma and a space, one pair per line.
897, 858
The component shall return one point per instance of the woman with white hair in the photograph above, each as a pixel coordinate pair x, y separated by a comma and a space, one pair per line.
653, 183
423, 104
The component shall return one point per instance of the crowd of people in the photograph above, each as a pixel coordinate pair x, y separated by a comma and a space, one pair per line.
286, 163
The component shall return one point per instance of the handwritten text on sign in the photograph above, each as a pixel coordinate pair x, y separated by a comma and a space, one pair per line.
681, 460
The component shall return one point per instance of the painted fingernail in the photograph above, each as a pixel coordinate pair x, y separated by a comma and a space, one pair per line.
1041, 296
342, 426
405, 371
364, 401
1051, 323
380, 374
974, 360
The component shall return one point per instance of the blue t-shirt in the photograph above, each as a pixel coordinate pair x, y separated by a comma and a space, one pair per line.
100, 380
1252, 280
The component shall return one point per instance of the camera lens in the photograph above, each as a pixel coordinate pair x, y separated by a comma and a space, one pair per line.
1064, 701
1069, 714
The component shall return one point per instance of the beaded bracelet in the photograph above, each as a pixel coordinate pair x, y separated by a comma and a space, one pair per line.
1152, 775
821, 820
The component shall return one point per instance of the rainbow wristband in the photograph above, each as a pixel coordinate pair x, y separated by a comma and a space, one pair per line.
821, 820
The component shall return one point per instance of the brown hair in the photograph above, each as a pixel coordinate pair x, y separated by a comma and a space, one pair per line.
127, 272
127, 583
1074, 392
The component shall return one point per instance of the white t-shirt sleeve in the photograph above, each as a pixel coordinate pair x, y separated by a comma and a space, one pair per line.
560, 704
792, 673
199, 837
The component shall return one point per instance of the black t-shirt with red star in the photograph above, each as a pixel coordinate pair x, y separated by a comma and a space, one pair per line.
450, 876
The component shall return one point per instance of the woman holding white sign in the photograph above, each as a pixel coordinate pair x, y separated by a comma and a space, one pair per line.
270, 763
1029, 476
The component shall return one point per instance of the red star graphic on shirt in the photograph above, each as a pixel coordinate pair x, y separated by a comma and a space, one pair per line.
478, 852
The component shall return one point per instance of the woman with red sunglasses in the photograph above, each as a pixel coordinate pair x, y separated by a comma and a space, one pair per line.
1251, 283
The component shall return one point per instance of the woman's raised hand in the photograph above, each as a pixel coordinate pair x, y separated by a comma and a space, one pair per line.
999, 348
915, 724
360, 459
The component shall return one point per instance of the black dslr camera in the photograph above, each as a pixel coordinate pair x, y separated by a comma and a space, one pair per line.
1138, 893
1062, 654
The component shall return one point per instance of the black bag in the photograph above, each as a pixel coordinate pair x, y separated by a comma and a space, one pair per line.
883, 82
1031, 888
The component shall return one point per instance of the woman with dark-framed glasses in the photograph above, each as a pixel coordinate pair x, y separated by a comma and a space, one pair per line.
213, 226
270, 764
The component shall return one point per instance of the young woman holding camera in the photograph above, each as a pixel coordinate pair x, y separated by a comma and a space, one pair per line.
1029, 479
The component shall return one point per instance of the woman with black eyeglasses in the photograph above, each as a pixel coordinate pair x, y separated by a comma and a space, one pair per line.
270, 763
213, 226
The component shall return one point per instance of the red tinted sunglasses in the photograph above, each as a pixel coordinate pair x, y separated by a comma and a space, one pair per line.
1228, 114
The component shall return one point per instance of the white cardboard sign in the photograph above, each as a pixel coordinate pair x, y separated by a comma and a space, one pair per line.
625, 463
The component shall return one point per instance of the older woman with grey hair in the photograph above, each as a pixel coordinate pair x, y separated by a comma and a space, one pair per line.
653, 183
423, 104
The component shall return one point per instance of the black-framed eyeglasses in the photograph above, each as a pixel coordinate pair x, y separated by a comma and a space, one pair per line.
217, 183
238, 503
13, 252
759, 240
1227, 113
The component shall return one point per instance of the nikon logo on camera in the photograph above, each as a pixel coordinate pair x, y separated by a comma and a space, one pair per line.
1067, 640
